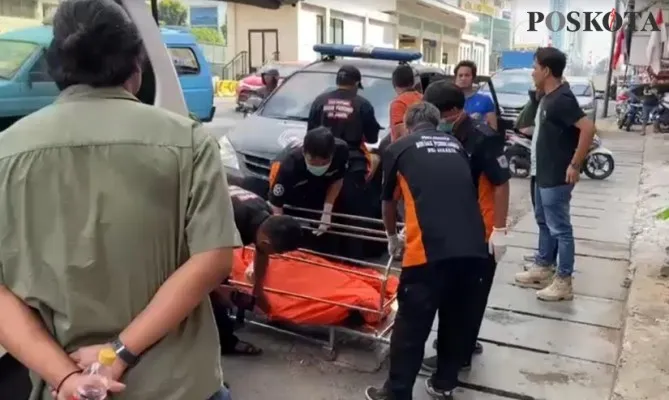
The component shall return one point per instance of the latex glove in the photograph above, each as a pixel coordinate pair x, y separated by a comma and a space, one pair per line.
249, 273
394, 246
497, 243
402, 236
326, 219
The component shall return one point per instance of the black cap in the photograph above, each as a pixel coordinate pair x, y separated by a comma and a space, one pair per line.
271, 72
348, 75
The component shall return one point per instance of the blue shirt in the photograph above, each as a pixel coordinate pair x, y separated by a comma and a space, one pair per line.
478, 105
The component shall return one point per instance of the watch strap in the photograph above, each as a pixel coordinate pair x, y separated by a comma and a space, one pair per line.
124, 354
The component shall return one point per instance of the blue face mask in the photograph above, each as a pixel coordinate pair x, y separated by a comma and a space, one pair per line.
445, 126
318, 170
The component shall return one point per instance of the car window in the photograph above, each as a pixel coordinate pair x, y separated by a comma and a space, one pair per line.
40, 70
13, 55
581, 89
185, 61
284, 69
293, 99
512, 83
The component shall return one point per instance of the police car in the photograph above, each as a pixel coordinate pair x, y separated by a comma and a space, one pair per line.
281, 120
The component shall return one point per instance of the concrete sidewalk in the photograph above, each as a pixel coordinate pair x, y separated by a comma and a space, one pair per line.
533, 349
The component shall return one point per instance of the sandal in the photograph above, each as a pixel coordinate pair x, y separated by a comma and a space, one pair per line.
243, 349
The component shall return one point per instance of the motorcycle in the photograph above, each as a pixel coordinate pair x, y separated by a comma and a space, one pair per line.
633, 115
659, 117
518, 150
599, 163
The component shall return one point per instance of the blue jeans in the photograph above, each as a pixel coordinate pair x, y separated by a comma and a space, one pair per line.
555, 230
223, 394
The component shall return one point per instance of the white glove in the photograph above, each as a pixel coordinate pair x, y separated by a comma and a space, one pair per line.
394, 246
497, 243
326, 219
249, 273
402, 236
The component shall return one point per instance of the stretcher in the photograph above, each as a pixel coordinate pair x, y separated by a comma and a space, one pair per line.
321, 318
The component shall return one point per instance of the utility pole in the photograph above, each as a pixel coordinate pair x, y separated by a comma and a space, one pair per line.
607, 90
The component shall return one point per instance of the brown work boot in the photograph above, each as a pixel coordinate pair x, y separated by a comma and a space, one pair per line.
536, 277
560, 289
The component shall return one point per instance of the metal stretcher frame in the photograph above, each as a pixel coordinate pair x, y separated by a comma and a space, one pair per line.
378, 333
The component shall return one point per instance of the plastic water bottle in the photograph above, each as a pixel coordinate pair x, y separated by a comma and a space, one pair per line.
98, 376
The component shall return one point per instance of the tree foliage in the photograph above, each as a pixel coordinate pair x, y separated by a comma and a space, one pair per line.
208, 35
172, 13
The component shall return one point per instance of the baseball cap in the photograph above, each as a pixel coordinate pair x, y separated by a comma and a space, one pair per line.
349, 75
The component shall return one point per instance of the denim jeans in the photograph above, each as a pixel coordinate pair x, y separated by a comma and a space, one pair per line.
223, 394
555, 229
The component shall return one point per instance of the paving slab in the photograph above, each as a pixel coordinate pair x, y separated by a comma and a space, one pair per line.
584, 247
613, 229
583, 309
594, 277
537, 375
597, 344
419, 393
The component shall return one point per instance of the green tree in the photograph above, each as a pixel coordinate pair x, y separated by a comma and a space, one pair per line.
172, 13
208, 35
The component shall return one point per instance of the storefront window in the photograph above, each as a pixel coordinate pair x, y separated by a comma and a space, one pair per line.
337, 29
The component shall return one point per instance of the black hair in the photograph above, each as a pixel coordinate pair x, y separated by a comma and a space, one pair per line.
94, 43
468, 64
283, 232
403, 77
319, 142
551, 58
444, 95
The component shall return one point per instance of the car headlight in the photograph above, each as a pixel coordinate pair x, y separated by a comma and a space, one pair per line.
228, 153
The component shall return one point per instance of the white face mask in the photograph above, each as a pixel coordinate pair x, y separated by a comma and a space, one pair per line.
318, 170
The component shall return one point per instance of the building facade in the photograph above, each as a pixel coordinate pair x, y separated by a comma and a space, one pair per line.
557, 39
16, 14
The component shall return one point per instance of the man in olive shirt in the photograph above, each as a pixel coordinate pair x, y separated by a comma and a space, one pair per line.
115, 225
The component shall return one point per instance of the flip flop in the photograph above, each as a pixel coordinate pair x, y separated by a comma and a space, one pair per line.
244, 349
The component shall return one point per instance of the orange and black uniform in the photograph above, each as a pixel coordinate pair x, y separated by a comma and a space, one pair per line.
351, 118
445, 253
489, 168
398, 109
290, 182
250, 212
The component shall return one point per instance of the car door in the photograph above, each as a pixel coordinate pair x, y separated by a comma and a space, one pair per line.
41, 88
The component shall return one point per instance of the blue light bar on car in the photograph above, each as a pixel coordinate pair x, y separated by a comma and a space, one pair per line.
376, 53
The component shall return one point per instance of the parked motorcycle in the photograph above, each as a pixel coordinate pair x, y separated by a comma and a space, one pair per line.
518, 150
599, 163
660, 116
632, 116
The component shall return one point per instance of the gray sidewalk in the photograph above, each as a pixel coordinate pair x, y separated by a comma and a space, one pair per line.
533, 349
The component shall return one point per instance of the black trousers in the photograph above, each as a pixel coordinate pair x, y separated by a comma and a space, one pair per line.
226, 326
533, 188
449, 288
480, 301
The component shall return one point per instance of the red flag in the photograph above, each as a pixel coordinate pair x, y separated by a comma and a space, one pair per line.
619, 48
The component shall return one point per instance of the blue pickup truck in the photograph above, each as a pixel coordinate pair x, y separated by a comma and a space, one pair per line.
25, 84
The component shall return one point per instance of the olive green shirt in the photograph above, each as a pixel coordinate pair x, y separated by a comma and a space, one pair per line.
102, 199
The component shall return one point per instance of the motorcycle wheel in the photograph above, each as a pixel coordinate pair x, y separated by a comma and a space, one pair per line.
656, 126
515, 171
595, 166
628, 124
621, 122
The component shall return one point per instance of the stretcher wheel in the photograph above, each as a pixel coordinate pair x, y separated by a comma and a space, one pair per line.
329, 354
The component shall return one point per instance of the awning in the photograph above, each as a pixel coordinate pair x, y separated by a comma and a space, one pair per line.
269, 4
469, 17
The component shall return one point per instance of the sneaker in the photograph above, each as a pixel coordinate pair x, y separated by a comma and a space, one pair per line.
372, 393
560, 289
438, 394
529, 257
535, 277
430, 365
478, 348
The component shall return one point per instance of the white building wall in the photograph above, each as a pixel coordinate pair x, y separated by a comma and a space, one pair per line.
380, 34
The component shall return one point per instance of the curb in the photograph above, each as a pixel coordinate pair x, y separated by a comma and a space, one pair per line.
641, 370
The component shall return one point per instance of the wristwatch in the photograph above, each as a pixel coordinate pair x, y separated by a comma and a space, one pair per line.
575, 165
124, 354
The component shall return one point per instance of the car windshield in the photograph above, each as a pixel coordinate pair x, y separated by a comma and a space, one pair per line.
293, 99
512, 83
580, 89
284, 69
13, 55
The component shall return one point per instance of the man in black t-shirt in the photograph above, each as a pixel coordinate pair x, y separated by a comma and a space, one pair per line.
564, 136
310, 176
444, 256
269, 234
350, 118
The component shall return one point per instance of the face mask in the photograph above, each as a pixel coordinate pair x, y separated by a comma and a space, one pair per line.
318, 170
445, 126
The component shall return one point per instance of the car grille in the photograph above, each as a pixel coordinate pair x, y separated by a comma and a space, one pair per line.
257, 165
511, 113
